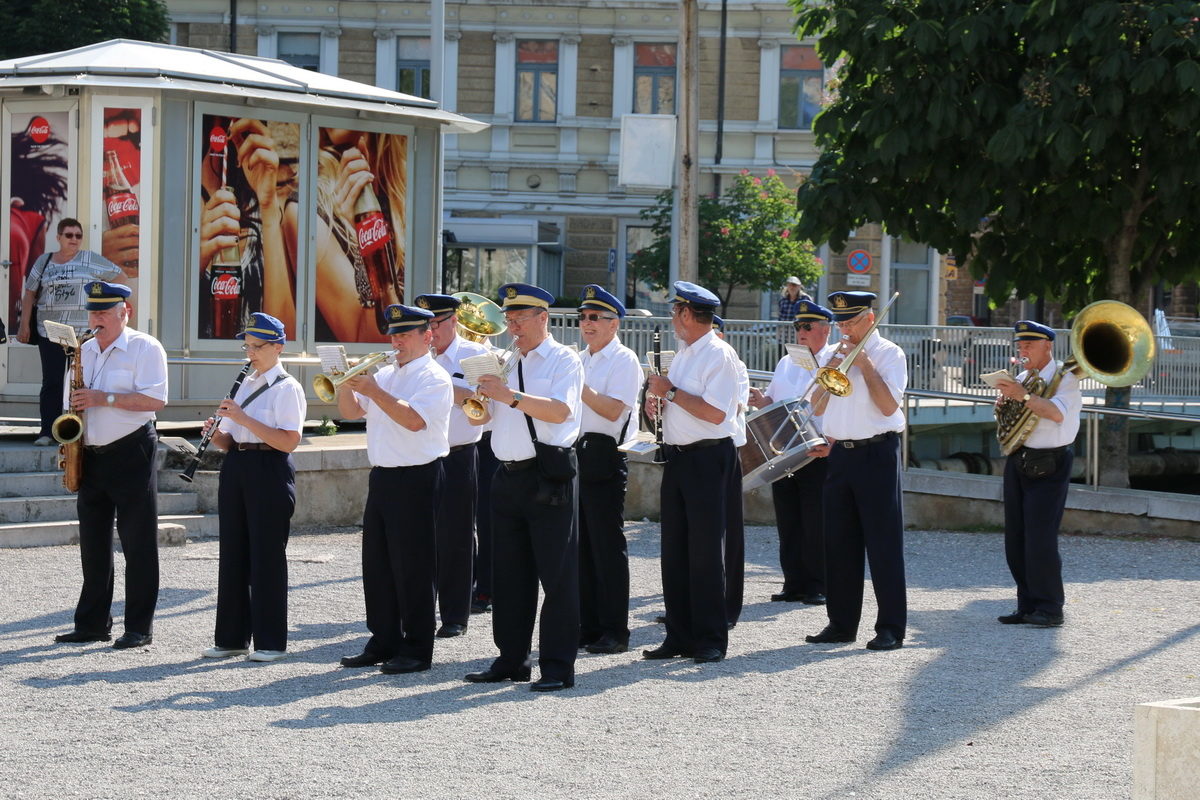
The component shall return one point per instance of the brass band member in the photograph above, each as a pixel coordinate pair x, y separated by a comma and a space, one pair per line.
799, 509
863, 511
407, 407
702, 395
456, 511
1036, 477
612, 378
735, 518
257, 495
533, 504
126, 374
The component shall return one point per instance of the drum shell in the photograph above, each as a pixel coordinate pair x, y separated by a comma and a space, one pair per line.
778, 438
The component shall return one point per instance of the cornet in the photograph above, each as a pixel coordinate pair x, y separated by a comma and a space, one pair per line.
326, 386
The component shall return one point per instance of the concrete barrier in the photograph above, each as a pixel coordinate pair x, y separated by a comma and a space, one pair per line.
1166, 749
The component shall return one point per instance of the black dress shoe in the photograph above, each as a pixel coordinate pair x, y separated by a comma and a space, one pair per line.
481, 603
786, 597
707, 655
130, 639
813, 599
1042, 619
363, 659
551, 684
828, 635
1015, 618
450, 630
664, 651
493, 675
402, 664
885, 640
661, 619
607, 645
80, 637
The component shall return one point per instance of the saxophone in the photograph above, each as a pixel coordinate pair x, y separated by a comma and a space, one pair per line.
67, 428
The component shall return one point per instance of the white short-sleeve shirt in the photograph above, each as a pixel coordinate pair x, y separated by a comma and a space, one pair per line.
134, 362
856, 416
450, 359
1069, 400
551, 370
707, 368
613, 372
281, 405
427, 388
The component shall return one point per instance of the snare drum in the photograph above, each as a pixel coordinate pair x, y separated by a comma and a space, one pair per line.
778, 439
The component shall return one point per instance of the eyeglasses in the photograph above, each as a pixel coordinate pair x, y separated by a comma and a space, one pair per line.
254, 348
850, 323
513, 319
584, 317
72, 234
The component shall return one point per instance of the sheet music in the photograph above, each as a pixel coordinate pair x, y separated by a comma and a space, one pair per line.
641, 443
801, 356
473, 367
666, 356
60, 334
993, 379
333, 358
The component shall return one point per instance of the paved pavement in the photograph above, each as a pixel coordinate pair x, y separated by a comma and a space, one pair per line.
968, 709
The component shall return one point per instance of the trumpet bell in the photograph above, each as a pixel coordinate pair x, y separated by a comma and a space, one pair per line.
477, 317
474, 408
326, 386
67, 428
1112, 343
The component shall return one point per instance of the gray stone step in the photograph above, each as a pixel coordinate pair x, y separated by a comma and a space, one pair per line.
32, 484
172, 530
52, 508
27, 458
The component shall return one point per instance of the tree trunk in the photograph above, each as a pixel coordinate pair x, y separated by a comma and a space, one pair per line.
1113, 440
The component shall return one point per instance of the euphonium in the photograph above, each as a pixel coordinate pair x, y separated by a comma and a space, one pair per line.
67, 428
326, 386
477, 317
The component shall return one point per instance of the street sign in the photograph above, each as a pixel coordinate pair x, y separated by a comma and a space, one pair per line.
859, 261
858, 280
612, 259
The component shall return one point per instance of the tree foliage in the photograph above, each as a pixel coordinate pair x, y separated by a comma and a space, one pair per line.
746, 239
1050, 142
31, 27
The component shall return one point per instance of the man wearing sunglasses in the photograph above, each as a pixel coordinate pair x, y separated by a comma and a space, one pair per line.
799, 510
612, 378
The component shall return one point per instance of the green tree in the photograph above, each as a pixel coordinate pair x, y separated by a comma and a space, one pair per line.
746, 239
30, 27
1052, 143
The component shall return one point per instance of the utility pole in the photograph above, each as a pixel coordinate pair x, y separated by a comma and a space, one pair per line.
688, 163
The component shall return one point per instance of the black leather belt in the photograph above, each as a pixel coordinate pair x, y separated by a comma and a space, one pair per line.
124, 440
457, 447
850, 444
683, 448
253, 446
519, 466
1044, 449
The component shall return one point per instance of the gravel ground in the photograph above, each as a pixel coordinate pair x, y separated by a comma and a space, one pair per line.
968, 709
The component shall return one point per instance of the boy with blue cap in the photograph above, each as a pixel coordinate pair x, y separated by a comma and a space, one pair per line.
262, 425
126, 374
1036, 478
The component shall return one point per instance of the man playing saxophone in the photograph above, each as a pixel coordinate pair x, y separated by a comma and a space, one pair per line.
1036, 477
126, 372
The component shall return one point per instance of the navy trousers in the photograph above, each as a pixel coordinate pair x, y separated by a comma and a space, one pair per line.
120, 482
603, 558
255, 499
50, 399
735, 546
456, 535
485, 469
800, 518
1033, 511
400, 559
863, 514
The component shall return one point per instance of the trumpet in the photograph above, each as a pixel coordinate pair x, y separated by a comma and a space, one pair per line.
326, 386
475, 406
833, 379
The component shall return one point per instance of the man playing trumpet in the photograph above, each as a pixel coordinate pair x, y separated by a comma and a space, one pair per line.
407, 407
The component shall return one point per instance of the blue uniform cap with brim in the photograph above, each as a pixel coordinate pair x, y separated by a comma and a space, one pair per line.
696, 296
265, 327
102, 295
1027, 330
516, 296
438, 303
718, 323
848, 305
401, 318
597, 298
808, 311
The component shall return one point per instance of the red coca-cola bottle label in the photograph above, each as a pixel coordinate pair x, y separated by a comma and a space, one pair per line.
122, 207
373, 233
226, 286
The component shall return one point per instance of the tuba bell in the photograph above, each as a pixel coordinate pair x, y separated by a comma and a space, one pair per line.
1111, 343
477, 317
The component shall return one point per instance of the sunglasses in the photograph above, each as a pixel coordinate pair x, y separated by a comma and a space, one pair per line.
595, 317
805, 326
72, 235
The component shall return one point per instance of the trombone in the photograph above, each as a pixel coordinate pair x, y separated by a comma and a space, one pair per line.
834, 379
326, 386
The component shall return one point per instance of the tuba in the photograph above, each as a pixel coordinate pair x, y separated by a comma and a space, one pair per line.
67, 428
1111, 343
477, 317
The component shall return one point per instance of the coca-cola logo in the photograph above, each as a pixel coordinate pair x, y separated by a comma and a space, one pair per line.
39, 130
226, 286
216, 140
121, 205
373, 233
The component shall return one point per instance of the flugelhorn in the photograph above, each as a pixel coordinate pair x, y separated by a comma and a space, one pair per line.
475, 406
326, 386
834, 379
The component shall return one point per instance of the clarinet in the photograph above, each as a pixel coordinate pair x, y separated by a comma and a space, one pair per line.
657, 367
190, 470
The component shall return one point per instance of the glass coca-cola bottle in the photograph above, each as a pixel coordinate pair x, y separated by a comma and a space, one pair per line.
226, 272
375, 248
119, 199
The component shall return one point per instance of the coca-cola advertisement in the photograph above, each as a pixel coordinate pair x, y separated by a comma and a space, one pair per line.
362, 232
121, 182
41, 193
249, 201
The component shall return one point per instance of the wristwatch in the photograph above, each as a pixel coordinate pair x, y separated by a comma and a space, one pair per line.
517, 396
110, 399
1025, 399
670, 395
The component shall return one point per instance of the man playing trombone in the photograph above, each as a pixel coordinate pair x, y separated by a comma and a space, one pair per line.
863, 510
261, 426
407, 407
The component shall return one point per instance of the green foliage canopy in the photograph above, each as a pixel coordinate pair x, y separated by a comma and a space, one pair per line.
30, 27
746, 239
1051, 142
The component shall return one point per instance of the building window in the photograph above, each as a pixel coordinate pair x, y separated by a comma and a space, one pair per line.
412, 66
801, 82
654, 79
300, 50
537, 80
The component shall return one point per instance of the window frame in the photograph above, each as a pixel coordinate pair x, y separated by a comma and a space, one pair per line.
655, 74
536, 70
800, 75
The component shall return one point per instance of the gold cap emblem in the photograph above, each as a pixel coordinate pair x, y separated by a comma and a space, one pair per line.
97, 290
839, 301
591, 293
423, 303
511, 292
395, 313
